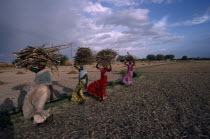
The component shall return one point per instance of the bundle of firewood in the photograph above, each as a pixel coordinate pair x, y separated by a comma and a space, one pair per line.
32, 56
129, 57
84, 56
104, 57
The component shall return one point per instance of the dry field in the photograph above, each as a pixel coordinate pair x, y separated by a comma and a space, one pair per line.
13, 85
168, 101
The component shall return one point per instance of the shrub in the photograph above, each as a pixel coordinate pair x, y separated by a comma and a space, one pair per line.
123, 72
72, 72
63, 59
151, 57
160, 57
170, 57
184, 58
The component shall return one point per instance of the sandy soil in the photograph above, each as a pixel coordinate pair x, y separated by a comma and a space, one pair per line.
163, 103
13, 91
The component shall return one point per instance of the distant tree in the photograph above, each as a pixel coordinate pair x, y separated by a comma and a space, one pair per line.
184, 58
151, 57
121, 58
63, 59
160, 57
171, 57
198, 58
143, 59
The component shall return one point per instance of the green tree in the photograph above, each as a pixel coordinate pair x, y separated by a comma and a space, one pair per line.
184, 58
171, 57
151, 57
63, 59
160, 57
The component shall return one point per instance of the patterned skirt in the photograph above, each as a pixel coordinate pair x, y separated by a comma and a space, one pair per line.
78, 95
98, 88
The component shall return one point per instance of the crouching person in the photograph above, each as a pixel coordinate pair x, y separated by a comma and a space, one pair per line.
35, 99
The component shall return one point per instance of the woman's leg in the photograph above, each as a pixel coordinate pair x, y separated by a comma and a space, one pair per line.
75, 96
81, 94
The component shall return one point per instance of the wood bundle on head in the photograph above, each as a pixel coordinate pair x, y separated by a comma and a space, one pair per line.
104, 57
129, 57
84, 56
32, 56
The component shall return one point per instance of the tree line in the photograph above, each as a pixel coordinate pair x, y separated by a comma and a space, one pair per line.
159, 57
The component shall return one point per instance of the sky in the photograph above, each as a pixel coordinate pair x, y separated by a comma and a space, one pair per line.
140, 27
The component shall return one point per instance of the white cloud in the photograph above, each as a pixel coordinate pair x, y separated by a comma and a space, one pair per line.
96, 8
127, 17
160, 1
62, 22
195, 21
121, 2
198, 20
162, 23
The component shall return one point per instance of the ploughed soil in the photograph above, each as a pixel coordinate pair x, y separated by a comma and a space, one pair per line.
14, 82
168, 101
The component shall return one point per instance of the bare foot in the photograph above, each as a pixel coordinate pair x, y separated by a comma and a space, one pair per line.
104, 97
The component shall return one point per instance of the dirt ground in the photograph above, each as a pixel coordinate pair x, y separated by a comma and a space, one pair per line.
13, 89
168, 101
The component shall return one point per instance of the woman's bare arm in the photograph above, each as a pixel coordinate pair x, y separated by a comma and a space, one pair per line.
51, 93
110, 67
134, 63
125, 63
97, 66
86, 81
76, 66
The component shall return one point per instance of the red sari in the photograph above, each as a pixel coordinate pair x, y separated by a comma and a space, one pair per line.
98, 87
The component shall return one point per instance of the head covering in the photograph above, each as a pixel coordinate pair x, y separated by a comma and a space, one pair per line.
84, 67
43, 77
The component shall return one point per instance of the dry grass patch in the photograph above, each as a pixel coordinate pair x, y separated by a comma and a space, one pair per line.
72, 72
1, 83
20, 72
123, 72
2, 65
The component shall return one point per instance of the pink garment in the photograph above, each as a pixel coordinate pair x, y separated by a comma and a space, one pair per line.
103, 73
127, 79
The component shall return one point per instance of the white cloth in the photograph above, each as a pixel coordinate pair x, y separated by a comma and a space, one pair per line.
43, 77
82, 73
34, 102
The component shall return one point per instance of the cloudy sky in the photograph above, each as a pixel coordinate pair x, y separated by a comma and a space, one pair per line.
141, 27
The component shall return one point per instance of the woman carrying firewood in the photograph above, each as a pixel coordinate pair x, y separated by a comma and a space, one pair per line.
34, 102
127, 79
98, 88
78, 95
